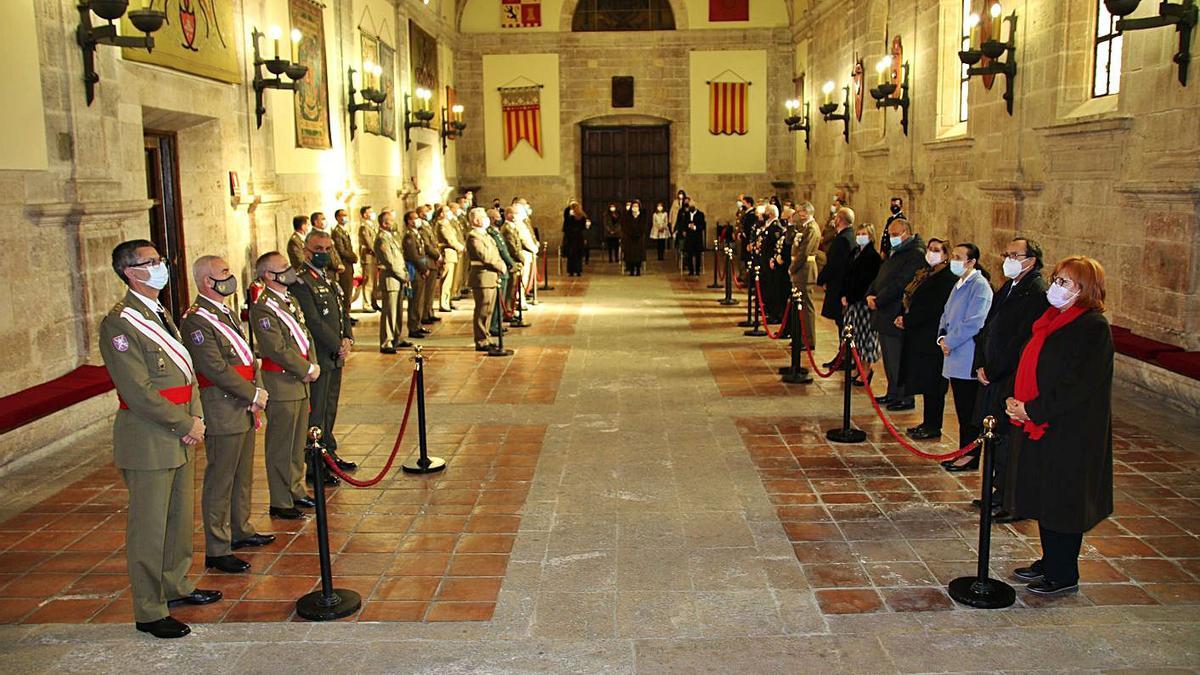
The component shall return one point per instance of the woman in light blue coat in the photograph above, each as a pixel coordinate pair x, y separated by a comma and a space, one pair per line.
965, 313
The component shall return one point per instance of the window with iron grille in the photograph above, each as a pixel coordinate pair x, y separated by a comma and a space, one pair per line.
964, 79
622, 15
1106, 54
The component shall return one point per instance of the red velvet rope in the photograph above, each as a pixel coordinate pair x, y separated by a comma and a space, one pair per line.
892, 430
412, 388
837, 361
762, 314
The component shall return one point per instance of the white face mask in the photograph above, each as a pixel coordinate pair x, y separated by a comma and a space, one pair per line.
1012, 268
1059, 297
159, 276
862, 240
933, 257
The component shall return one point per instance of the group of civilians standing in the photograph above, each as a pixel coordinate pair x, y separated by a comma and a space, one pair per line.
626, 230
1036, 352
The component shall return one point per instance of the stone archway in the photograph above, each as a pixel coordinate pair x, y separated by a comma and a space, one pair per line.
678, 8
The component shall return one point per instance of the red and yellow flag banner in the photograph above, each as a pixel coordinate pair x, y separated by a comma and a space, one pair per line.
522, 117
520, 13
727, 108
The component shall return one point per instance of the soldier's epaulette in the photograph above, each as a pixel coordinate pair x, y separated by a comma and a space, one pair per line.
191, 310
117, 308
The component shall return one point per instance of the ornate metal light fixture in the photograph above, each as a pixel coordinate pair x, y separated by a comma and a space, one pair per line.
796, 123
884, 92
277, 67
371, 92
828, 109
994, 48
452, 125
147, 20
1182, 15
418, 118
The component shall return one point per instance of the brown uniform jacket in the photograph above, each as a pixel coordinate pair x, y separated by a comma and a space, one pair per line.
227, 400
326, 315
295, 250
342, 245
486, 264
808, 238
389, 254
273, 340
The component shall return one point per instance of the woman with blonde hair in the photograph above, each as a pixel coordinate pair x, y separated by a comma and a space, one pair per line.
864, 265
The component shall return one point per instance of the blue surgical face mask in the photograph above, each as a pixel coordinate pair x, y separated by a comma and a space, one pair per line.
159, 276
958, 267
895, 241
862, 240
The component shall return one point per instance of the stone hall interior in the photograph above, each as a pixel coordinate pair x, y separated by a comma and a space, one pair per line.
580, 433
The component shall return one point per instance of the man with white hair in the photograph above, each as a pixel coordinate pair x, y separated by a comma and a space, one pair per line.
802, 269
529, 249
774, 266
486, 269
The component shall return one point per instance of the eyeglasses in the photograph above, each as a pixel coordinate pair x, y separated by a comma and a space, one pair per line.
1014, 256
151, 262
1062, 281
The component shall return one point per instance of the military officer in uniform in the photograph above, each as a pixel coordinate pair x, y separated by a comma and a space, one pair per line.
429, 237
393, 274
451, 243
367, 231
226, 371
417, 254
510, 264
345, 250
327, 317
295, 245
486, 269
802, 268
288, 367
158, 423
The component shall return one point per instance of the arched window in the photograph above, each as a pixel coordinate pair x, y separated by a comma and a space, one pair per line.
621, 15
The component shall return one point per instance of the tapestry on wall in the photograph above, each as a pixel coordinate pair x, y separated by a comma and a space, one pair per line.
370, 55
198, 38
387, 112
728, 10
520, 13
522, 119
727, 108
422, 54
312, 93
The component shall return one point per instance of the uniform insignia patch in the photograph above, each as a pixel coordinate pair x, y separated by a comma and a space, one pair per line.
120, 343
198, 337
265, 323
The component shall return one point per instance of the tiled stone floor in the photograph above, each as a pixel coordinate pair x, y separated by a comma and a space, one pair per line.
650, 542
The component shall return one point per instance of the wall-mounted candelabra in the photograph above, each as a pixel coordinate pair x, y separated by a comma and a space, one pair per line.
372, 93
418, 117
452, 125
147, 20
994, 48
277, 66
828, 109
1182, 15
884, 93
795, 122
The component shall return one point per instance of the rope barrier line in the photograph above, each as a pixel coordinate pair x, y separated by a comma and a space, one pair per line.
762, 313
412, 389
892, 430
837, 360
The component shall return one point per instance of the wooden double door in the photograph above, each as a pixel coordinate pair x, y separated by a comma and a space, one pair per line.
623, 163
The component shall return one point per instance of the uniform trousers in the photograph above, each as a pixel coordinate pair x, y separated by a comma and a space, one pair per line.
449, 277
809, 317
933, 407
286, 427
485, 304
158, 537
346, 281
527, 273
433, 283
370, 284
892, 346
416, 303
225, 497
391, 322
324, 393
497, 317
1060, 555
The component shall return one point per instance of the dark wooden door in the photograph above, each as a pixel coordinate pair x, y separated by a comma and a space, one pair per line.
166, 217
623, 163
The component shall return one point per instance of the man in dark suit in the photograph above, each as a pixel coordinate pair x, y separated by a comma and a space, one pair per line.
1018, 303
692, 226
837, 262
895, 212
884, 297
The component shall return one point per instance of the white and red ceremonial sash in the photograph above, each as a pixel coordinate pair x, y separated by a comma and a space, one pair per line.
156, 333
522, 119
240, 346
727, 108
293, 326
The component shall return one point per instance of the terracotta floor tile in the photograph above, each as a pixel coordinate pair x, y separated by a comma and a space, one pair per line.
461, 611
822, 552
848, 601
279, 588
800, 531
428, 543
917, 599
66, 611
361, 563
1121, 547
1152, 570
259, 611
92, 584
36, 585
406, 588
434, 524
485, 543
120, 610
419, 564
371, 543
13, 609
1117, 594
493, 524
305, 564
1174, 593
836, 575
377, 610
1175, 547
478, 565
468, 589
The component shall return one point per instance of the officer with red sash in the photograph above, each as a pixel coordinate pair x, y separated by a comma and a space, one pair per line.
157, 424
227, 373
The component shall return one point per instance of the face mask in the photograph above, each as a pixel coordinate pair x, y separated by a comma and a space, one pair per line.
832, 209
321, 260
225, 287
1059, 297
286, 277
958, 267
895, 241
895, 208
934, 258
612, 209
1012, 268
862, 240
159, 276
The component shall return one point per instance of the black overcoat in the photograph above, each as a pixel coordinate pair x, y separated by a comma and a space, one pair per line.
921, 357
863, 268
833, 274
998, 344
633, 237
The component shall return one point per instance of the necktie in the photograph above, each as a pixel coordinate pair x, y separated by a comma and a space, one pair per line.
166, 324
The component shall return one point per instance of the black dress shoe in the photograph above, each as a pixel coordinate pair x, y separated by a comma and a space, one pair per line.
1029, 574
414, 335
330, 480
353, 321
910, 430
167, 627
253, 540
484, 348
922, 434
196, 597
959, 468
445, 311
1001, 517
227, 563
404, 344
387, 350
883, 400
1045, 587
901, 406
285, 514
304, 502
344, 465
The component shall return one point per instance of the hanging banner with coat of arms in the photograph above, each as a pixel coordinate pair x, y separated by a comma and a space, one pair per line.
522, 119
727, 111
312, 92
520, 13
198, 38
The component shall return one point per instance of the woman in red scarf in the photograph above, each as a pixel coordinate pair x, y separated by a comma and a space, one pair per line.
1062, 410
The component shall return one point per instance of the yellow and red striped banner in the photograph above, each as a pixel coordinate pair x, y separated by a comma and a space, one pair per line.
727, 108
522, 118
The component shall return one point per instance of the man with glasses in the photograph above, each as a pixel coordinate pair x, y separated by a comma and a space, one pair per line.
1018, 303
288, 367
157, 424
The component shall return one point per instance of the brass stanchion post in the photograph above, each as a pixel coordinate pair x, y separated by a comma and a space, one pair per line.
982, 591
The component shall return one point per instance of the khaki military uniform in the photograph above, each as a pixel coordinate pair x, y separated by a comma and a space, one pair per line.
802, 269
327, 316
389, 255
512, 239
451, 244
286, 360
529, 252
429, 236
367, 233
486, 268
418, 252
295, 250
227, 388
461, 285
345, 251
156, 385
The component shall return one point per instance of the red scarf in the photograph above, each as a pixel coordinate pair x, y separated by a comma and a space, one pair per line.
1025, 389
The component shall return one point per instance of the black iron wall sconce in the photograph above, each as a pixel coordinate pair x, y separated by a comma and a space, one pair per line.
796, 123
418, 118
828, 108
452, 125
275, 66
370, 92
884, 93
1183, 16
146, 20
993, 48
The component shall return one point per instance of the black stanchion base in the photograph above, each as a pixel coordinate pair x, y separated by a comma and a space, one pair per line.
435, 464
799, 377
755, 332
519, 324
715, 286
846, 435
500, 352
316, 607
784, 370
727, 302
745, 324
982, 593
